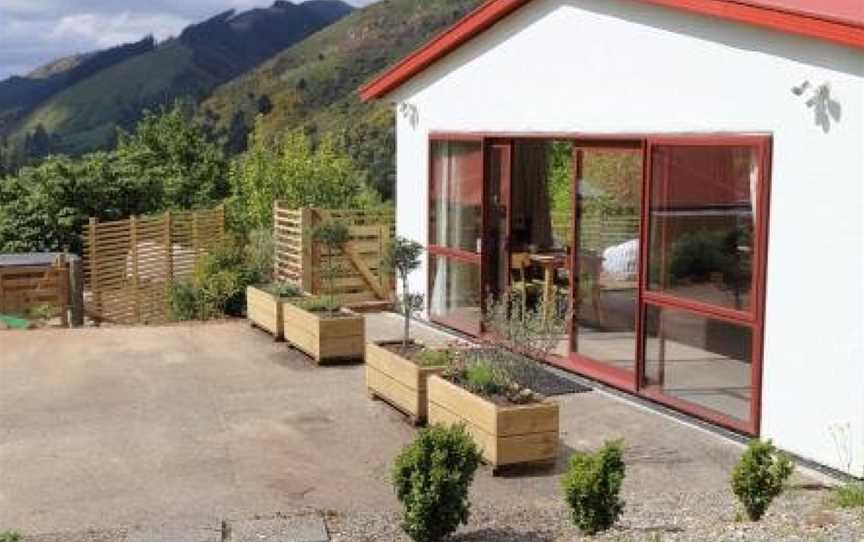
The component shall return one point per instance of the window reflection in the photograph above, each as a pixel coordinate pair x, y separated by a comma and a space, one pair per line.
457, 181
702, 223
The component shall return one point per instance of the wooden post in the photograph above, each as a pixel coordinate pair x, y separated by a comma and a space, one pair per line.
61, 271
276, 274
169, 257
94, 267
133, 242
221, 214
76, 292
195, 245
308, 260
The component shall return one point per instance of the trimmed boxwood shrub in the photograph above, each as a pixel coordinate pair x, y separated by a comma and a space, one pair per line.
592, 485
760, 477
432, 476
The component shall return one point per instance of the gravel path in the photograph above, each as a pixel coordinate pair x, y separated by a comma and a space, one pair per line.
799, 515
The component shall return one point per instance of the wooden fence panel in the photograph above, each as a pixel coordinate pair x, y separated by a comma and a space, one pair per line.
24, 288
362, 277
130, 265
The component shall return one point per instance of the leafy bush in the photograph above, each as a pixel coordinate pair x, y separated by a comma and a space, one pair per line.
849, 496
432, 477
260, 251
290, 170
592, 485
9, 536
218, 285
760, 477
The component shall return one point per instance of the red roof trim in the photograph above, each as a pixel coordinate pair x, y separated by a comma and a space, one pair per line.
479, 20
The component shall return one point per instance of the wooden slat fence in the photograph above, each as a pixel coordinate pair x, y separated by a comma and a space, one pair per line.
130, 265
598, 232
363, 275
25, 288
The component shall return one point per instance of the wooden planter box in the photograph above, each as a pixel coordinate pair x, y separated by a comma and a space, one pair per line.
398, 381
506, 435
264, 310
325, 339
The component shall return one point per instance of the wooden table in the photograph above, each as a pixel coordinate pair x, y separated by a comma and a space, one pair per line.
550, 262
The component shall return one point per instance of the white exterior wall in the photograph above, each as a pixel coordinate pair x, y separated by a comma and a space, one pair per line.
607, 66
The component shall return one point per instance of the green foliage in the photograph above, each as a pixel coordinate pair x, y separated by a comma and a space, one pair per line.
169, 152
592, 486
165, 164
218, 286
850, 495
403, 256
432, 477
283, 289
482, 377
289, 169
313, 84
332, 235
560, 166
534, 331
760, 477
433, 358
260, 251
10, 536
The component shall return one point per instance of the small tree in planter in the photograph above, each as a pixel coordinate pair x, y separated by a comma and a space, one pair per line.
334, 236
403, 256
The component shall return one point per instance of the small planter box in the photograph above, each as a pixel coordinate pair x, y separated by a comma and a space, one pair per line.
507, 435
325, 339
264, 310
398, 381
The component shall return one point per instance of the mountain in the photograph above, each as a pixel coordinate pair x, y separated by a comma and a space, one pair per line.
75, 105
314, 83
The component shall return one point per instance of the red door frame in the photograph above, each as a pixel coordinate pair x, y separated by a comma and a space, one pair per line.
634, 383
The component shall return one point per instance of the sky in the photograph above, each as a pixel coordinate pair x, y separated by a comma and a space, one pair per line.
33, 32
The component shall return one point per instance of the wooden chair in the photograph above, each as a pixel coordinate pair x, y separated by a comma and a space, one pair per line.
520, 262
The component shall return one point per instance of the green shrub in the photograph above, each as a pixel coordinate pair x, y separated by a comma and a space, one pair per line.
760, 477
218, 285
592, 485
432, 477
333, 235
260, 251
433, 358
9, 536
849, 496
283, 289
483, 378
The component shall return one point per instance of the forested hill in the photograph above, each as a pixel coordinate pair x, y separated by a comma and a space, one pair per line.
314, 83
75, 104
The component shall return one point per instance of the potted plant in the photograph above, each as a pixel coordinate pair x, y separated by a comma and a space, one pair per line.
320, 326
264, 305
489, 391
397, 371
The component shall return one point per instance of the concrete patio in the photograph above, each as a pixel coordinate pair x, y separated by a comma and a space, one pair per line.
189, 424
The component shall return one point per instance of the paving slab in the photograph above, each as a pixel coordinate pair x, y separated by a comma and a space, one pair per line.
306, 528
176, 534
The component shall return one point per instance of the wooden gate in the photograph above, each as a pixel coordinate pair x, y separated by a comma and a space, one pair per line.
363, 275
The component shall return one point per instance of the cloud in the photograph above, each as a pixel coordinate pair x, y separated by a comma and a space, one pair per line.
37, 31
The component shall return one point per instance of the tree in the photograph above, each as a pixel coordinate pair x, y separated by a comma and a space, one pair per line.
290, 169
403, 255
169, 151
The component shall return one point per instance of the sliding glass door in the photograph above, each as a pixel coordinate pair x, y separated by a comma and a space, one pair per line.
456, 233
703, 275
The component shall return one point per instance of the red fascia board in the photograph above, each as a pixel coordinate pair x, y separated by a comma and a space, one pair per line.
491, 12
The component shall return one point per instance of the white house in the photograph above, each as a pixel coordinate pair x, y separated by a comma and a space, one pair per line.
686, 175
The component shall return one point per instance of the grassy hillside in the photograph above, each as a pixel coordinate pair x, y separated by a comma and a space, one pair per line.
85, 115
314, 83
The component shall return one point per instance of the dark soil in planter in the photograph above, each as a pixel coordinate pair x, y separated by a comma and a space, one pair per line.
410, 353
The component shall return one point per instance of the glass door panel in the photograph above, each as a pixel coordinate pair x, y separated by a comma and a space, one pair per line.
456, 233
607, 258
705, 239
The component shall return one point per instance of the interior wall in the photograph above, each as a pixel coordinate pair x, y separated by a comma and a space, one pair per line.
615, 66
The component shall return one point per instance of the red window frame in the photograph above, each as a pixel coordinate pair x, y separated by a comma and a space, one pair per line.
753, 318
